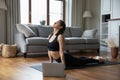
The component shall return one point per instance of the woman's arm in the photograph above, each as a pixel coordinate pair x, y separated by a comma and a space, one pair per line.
61, 48
50, 57
49, 36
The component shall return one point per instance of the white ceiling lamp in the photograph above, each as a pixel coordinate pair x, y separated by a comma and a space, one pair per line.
87, 14
3, 5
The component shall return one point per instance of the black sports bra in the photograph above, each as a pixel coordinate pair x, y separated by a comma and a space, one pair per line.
54, 45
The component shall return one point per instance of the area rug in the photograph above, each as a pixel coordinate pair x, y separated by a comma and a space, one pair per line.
106, 63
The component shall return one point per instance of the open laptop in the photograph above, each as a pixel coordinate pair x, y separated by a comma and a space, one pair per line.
53, 69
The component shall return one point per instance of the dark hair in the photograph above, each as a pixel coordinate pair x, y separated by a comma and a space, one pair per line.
62, 30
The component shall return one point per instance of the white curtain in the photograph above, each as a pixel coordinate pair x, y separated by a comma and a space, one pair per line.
12, 18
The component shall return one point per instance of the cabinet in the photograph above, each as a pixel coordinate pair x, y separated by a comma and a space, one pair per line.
114, 31
106, 9
104, 29
106, 6
116, 9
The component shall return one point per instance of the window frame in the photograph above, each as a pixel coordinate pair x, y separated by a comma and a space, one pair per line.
48, 9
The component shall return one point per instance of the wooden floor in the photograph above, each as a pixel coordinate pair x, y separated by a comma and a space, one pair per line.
19, 69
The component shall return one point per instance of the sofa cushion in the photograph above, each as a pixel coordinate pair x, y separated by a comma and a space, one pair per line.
89, 33
91, 40
76, 32
44, 31
67, 32
34, 28
74, 40
45, 26
24, 29
37, 41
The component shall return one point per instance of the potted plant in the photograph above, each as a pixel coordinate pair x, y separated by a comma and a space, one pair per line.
112, 45
42, 22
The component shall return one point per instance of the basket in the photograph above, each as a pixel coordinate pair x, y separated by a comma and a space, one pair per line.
9, 50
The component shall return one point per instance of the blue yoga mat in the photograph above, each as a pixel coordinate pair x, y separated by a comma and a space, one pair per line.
106, 63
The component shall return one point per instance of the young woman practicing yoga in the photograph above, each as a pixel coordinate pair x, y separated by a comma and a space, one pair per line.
56, 49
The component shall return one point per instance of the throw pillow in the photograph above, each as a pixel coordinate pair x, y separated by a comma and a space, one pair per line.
24, 29
89, 33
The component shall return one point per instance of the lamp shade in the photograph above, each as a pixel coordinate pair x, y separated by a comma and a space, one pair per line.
2, 5
87, 14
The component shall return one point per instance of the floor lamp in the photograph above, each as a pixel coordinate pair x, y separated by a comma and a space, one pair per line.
87, 15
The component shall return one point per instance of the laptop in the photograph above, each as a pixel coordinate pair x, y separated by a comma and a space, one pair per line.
53, 69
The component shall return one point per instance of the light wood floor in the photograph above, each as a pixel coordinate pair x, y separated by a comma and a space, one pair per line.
19, 69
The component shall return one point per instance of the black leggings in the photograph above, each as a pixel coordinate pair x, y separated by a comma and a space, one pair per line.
72, 61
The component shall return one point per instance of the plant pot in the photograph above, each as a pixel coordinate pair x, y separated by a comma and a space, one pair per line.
42, 23
114, 52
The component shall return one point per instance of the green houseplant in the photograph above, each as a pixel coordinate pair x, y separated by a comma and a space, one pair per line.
42, 22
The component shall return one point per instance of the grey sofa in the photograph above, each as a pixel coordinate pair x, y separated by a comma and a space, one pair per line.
34, 39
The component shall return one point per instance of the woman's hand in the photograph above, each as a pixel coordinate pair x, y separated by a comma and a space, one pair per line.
64, 66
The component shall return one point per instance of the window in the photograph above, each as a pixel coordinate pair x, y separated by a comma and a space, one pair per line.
24, 11
33, 11
56, 11
38, 11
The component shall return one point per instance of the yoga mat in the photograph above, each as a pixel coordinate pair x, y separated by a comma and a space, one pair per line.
106, 63
37, 67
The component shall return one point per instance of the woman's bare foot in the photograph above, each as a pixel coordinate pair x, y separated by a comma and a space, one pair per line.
90, 57
101, 59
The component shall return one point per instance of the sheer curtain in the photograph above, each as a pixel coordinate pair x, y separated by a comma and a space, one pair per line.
12, 18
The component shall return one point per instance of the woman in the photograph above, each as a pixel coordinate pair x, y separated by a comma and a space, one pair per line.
56, 49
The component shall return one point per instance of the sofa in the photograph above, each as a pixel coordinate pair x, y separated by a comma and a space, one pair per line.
31, 38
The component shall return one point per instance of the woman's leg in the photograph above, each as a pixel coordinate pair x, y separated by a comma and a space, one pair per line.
81, 61
86, 60
69, 60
